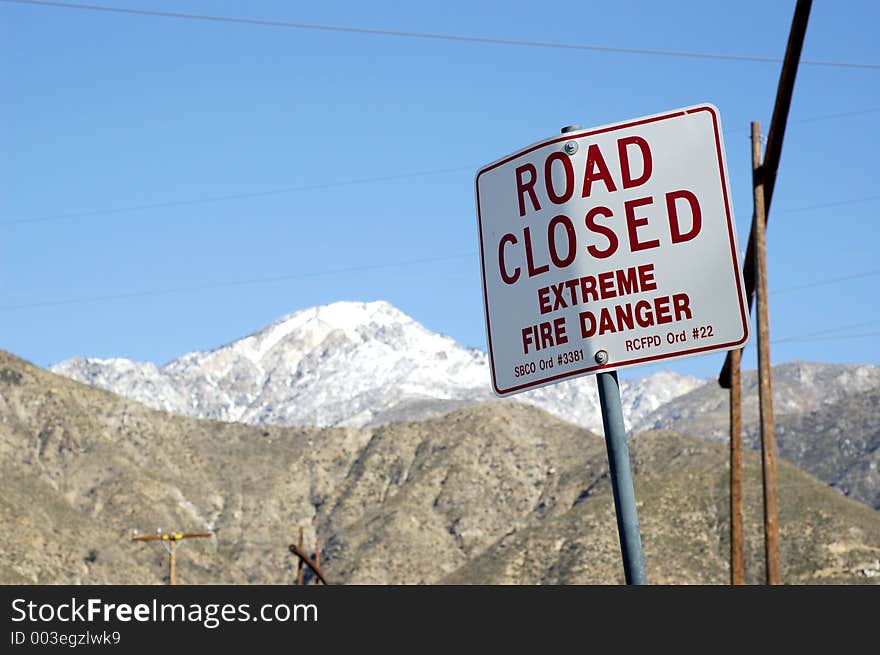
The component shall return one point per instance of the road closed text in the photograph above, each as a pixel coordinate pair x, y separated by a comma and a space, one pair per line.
602, 231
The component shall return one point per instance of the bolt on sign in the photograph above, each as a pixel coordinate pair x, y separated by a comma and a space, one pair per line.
608, 248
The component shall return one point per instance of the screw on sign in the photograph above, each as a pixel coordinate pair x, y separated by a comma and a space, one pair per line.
608, 248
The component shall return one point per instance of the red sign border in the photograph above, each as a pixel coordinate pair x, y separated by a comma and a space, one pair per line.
713, 111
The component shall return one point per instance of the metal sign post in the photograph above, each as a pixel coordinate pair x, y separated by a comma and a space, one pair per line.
621, 479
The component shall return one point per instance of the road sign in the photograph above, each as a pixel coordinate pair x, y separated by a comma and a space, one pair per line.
609, 248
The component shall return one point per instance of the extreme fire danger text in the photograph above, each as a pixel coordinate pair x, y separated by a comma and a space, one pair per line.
619, 239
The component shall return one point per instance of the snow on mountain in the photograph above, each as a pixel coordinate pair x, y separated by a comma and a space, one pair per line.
348, 363
140, 381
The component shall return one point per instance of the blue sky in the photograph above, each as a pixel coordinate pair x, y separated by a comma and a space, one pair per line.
105, 111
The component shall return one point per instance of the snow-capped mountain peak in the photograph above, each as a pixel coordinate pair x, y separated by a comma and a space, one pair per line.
347, 363
313, 326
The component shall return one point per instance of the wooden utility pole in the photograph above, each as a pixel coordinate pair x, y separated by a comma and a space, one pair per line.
765, 384
170, 541
737, 560
729, 377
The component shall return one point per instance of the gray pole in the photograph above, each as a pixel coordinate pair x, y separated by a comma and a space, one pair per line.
621, 479
618, 464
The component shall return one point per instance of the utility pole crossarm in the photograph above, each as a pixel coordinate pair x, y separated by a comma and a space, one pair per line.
174, 536
171, 540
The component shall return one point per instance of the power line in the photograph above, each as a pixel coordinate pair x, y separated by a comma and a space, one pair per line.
233, 283
844, 114
829, 338
824, 205
373, 180
813, 119
436, 36
327, 185
298, 276
824, 333
832, 280
237, 196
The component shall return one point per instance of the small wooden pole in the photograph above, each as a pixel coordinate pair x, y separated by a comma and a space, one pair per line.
170, 542
172, 567
300, 570
768, 438
737, 561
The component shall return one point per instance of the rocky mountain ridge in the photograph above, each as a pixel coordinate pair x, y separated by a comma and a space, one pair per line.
491, 493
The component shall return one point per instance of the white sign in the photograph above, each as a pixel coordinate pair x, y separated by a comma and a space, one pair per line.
608, 248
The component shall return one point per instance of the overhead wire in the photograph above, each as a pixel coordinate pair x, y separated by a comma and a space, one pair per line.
373, 180
234, 196
826, 331
827, 205
231, 283
813, 119
315, 274
435, 36
826, 338
831, 280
